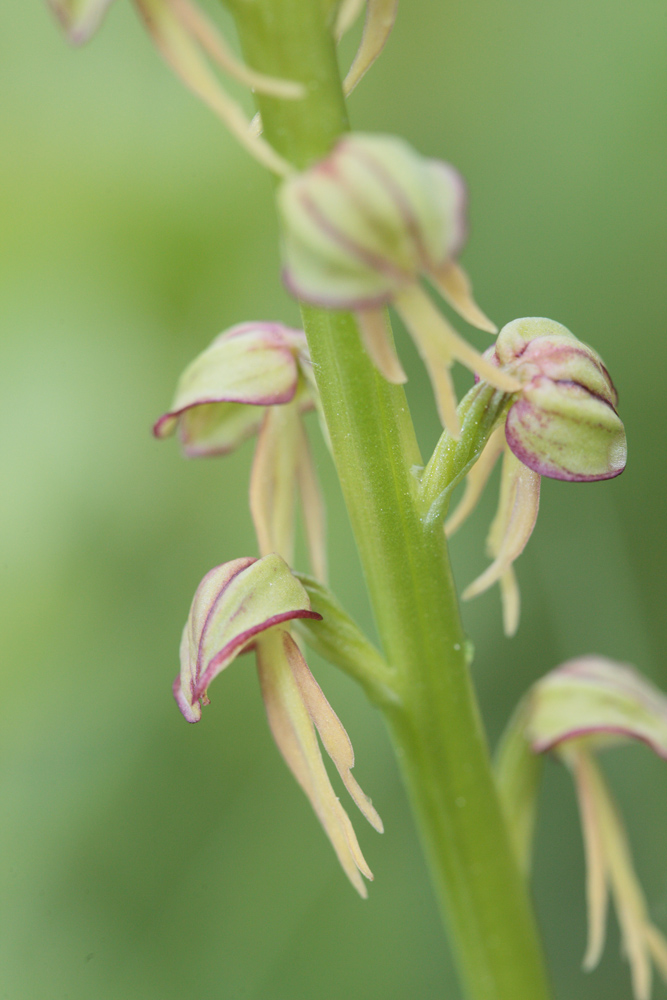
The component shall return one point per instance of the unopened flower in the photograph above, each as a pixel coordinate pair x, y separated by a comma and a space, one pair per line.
584, 706
562, 423
257, 377
248, 604
359, 230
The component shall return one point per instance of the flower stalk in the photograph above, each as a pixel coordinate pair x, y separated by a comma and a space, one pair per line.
434, 719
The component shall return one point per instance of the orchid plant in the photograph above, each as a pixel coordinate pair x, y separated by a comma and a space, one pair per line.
366, 221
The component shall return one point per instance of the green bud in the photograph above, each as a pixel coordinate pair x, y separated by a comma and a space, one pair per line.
564, 422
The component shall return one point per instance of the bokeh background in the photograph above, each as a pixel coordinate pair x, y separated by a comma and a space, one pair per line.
148, 859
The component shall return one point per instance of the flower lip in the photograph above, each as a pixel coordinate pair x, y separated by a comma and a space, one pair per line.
238, 642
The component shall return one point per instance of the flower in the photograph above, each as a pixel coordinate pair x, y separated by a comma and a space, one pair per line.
562, 424
257, 377
359, 229
584, 706
247, 604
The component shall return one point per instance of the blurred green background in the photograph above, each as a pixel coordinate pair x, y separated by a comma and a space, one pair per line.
148, 859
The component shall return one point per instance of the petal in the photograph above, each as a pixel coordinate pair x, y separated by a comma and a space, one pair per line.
233, 603
254, 364
361, 224
550, 349
348, 12
628, 896
295, 737
510, 598
80, 19
204, 31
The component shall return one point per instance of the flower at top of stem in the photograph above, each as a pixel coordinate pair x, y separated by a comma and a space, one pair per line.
247, 604
562, 423
584, 706
257, 377
360, 228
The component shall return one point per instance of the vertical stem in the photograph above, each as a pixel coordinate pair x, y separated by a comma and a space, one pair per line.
436, 727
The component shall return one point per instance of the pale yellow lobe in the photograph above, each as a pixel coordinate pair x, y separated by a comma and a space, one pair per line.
377, 339
273, 481
476, 480
181, 47
380, 17
512, 525
455, 285
278, 657
312, 507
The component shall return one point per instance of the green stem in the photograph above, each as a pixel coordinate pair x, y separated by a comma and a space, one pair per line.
435, 725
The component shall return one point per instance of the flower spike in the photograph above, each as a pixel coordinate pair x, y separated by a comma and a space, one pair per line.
583, 706
360, 229
246, 604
